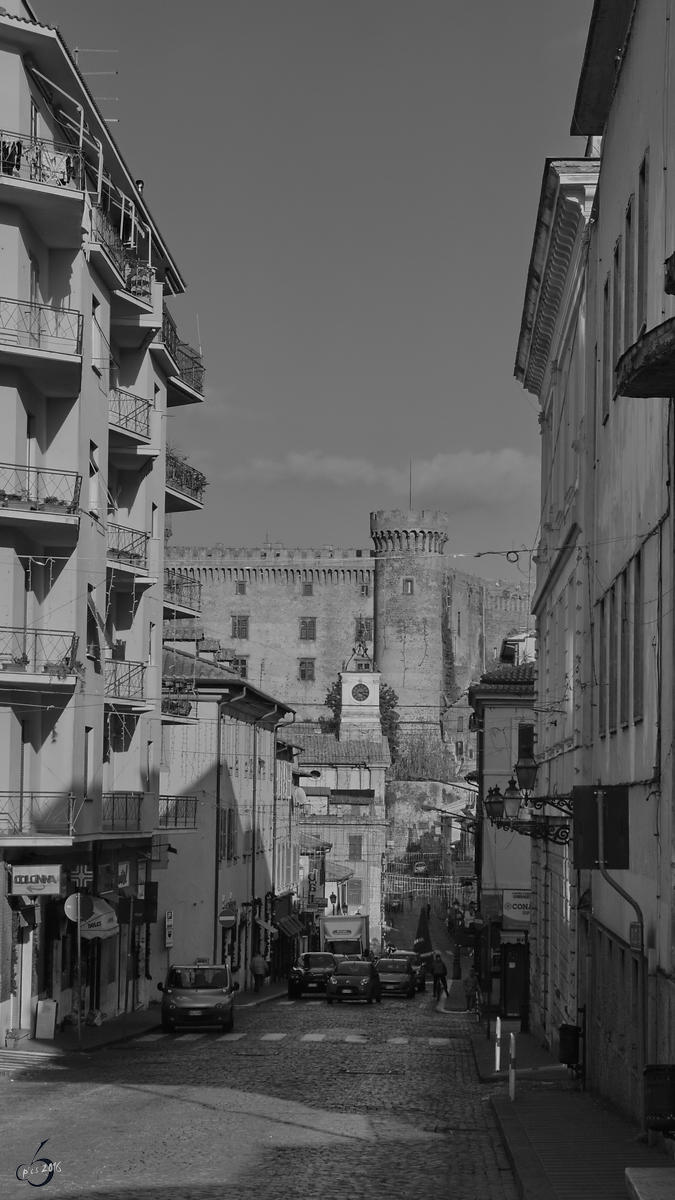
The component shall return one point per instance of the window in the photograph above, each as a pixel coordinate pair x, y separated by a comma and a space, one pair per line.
97, 359
526, 741
93, 641
459, 749
240, 665
355, 848
240, 627
364, 629
628, 277
408, 587
307, 669
638, 639
151, 643
606, 351
94, 480
459, 624
308, 589
308, 629
34, 114
365, 589
624, 656
602, 668
88, 760
616, 304
240, 587
231, 838
355, 891
612, 660
642, 245
460, 724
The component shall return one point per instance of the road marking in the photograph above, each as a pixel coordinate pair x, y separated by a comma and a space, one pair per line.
152, 1037
273, 1037
191, 1037
230, 1037
313, 1037
439, 1041
355, 1037
398, 1041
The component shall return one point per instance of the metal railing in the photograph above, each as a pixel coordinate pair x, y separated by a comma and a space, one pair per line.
36, 650
37, 812
122, 810
128, 545
178, 812
137, 275
177, 706
180, 590
36, 160
187, 359
40, 327
39, 489
184, 478
124, 680
130, 412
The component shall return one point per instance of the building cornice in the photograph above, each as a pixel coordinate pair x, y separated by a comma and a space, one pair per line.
567, 193
608, 36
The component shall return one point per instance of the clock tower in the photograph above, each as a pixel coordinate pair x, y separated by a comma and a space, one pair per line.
360, 717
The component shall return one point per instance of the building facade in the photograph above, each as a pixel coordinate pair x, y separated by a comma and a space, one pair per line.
90, 361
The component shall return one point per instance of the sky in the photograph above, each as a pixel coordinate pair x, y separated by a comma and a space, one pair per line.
349, 188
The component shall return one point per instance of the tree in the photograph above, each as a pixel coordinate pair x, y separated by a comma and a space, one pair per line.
389, 715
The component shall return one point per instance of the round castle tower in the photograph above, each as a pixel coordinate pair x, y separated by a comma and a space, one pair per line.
408, 610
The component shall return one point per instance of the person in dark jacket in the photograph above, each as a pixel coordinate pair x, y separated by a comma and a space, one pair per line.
258, 970
440, 972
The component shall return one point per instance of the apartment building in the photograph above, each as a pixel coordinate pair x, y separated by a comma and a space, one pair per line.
90, 360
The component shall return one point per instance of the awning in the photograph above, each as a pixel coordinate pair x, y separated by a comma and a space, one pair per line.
290, 926
102, 923
311, 844
266, 925
337, 872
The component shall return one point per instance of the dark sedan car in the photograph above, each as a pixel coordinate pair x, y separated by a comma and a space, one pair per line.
354, 981
418, 966
397, 976
310, 974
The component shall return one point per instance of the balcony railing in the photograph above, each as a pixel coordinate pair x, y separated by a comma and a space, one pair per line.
188, 360
178, 589
137, 275
36, 160
40, 327
124, 680
122, 811
128, 545
129, 412
177, 706
178, 812
184, 478
38, 651
38, 489
37, 812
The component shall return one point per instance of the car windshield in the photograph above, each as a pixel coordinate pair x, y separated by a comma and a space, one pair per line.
393, 966
316, 960
197, 977
411, 958
353, 968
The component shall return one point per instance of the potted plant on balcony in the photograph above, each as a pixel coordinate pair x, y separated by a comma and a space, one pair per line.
17, 662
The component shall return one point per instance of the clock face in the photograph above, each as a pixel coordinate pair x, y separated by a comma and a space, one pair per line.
360, 692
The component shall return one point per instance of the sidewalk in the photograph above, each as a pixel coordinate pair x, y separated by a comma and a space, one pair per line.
93, 1036
532, 1060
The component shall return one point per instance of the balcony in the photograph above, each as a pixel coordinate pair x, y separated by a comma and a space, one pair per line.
121, 270
125, 686
185, 486
178, 812
38, 660
180, 362
122, 812
37, 817
182, 596
46, 501
129, 413
46, 181
44, 342
127, 556
179, 706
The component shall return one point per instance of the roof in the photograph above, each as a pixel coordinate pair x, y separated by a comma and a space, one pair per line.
605, 47
506, 679
324, 749
208, 676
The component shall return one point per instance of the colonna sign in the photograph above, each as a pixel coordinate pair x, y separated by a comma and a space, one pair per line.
36, 880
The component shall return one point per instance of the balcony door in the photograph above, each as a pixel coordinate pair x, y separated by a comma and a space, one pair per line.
30, 485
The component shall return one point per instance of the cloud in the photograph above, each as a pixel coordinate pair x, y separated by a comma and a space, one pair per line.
466, 479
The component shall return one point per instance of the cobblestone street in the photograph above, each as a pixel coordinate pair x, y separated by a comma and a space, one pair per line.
300, 1101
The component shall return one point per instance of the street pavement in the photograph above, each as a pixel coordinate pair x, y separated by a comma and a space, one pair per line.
300, 1101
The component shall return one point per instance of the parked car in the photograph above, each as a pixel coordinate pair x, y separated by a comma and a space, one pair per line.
421, 868
397, 976
310, 974
354, 981
418, 966
198, 996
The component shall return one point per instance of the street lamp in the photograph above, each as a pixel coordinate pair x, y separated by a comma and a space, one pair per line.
333, 899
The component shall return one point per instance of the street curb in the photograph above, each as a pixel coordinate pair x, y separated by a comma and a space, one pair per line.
261, 1000
531, 1179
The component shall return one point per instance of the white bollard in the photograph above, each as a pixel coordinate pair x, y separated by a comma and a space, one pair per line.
498, 1044
512, 1067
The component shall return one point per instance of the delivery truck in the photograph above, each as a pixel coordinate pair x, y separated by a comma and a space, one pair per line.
345, 935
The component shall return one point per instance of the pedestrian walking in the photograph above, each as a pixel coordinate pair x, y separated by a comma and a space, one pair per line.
440, 972
428, 911
411, 897
259, 970
471, 987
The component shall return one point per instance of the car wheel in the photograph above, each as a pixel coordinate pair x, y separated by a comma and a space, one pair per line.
369, 1000
166, 1028
379, 999
228, 1025
328, 1001
423, 986
339, 1002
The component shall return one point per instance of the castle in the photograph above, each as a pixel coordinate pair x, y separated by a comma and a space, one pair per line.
287, 618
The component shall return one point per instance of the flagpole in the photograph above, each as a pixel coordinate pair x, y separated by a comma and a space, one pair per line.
79, 973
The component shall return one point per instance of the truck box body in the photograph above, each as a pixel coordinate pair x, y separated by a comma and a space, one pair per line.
345, 935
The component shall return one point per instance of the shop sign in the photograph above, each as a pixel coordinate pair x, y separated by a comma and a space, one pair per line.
168, 929
41, 880
516, 911
123, 874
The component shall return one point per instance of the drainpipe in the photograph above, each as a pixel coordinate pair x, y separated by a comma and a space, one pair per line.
216, 874
640, 958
